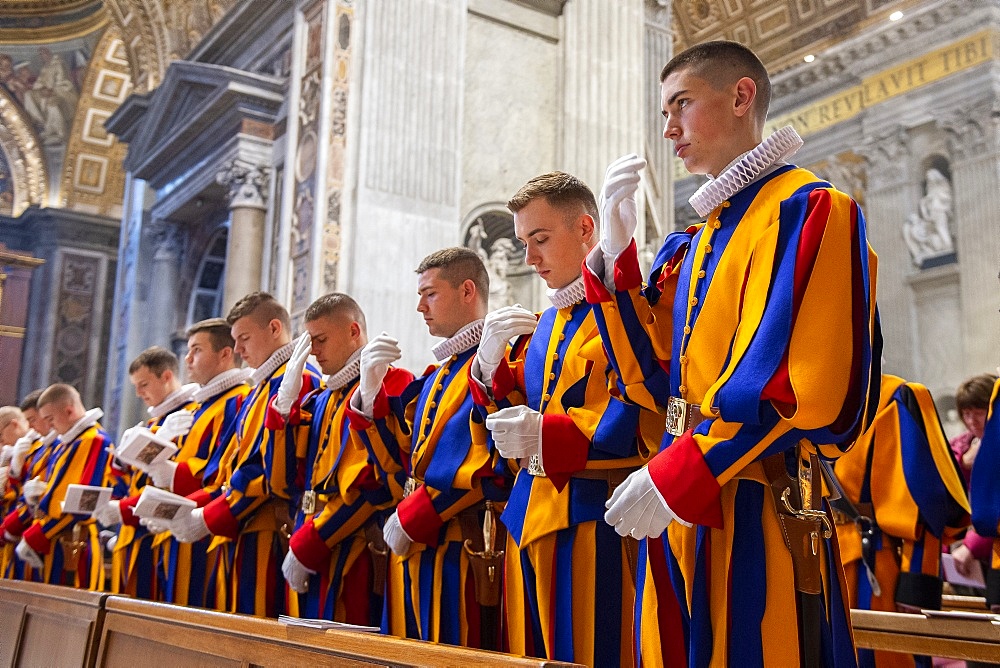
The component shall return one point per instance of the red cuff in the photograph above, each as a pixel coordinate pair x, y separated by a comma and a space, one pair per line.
127, 506
185, 482
476, 389
597, 292
686, 483
564, 449
503, 381
275, 421
309, 548
36, 540
219, 519
418, 517
201, 497
12, 524
358, 421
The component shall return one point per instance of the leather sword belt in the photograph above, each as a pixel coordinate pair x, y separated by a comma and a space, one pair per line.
682, 416
612, 476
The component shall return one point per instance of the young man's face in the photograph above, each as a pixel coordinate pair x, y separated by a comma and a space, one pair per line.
203, 362
555, 243
149, 387
36, 422
256, 343
446, 308
58, 416
14, 430
699, 120
334, 339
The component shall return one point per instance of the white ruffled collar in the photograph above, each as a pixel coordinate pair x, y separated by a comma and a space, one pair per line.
277, 358
350, 371
174, 400
221, 383
568, 295
88, 420
464, 339
747, 168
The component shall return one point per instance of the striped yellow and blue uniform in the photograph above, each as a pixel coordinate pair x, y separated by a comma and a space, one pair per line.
135, 566
902, 472
257, 500
764, 316
984, 493
432, 434
189, 570
82, 461
36, 464
350, 495
569, 586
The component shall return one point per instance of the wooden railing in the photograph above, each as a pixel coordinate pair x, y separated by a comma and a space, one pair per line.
935, 636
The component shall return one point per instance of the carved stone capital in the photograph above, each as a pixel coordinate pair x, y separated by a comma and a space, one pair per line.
166, 240
887, 156
247, 184
971, 132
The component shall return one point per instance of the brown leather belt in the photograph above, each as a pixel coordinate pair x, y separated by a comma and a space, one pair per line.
613, 477
682, 416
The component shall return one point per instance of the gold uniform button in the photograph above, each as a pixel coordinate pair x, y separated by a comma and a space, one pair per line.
446, 372
682, 388
552, 376
684, 359
725, 205
701, 274
439, 388
546, 397
716, 224
555, 356
694, 301
708, 249
687, 330
562, 337
433, 404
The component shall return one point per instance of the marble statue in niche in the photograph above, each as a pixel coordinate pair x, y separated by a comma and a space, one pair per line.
926, 230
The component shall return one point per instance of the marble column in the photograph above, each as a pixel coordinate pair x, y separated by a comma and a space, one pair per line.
245, 246
165, 240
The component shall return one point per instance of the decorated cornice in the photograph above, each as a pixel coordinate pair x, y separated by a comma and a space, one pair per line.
48, 21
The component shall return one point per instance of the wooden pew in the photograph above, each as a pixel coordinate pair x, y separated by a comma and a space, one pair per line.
955, 602
45, 625
159, 634
916, 634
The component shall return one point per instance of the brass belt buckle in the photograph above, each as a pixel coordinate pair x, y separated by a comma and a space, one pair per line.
535, 467
677, 416
409, 487
309, 502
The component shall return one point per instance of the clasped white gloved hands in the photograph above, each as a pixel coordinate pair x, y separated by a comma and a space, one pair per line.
20, 452
396, 537
6, 454
154, 526
619, 216
499, 328
192, 528
28, 555
291, 381
109, 514
4, 477
376, 357
33, 490
517, 431
162, 474
636, 508
176, 424
296, 573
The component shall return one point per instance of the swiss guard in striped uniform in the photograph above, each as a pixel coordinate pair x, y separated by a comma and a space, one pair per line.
984, 489
251, 514
337, 559
756, 336
570, 578
445, 573
59, 547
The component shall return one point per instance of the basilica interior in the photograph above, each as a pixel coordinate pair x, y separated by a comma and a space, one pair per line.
161, 158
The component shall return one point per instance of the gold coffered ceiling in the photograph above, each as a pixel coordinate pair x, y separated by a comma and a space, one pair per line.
780, 32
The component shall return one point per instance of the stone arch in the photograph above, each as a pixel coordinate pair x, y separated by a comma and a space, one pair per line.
23, 153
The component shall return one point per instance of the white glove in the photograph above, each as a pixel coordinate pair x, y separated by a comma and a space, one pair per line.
499, 328
517, 431
109, 514
619, 216
33, 490
154, 526
110, 547
20, 453
163, 474
296, 573
376, 357
4, 477
28, 555
6, 453
395, 536
9, 537
192, 528
176, 424
291, 381
636, 508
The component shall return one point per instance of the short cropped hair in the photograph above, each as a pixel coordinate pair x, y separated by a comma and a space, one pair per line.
457, 265
262, 307
334, 304
10, 414
560, 190
723, 63
975, 392
31, 400
218, 330
157, 359
59, 393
